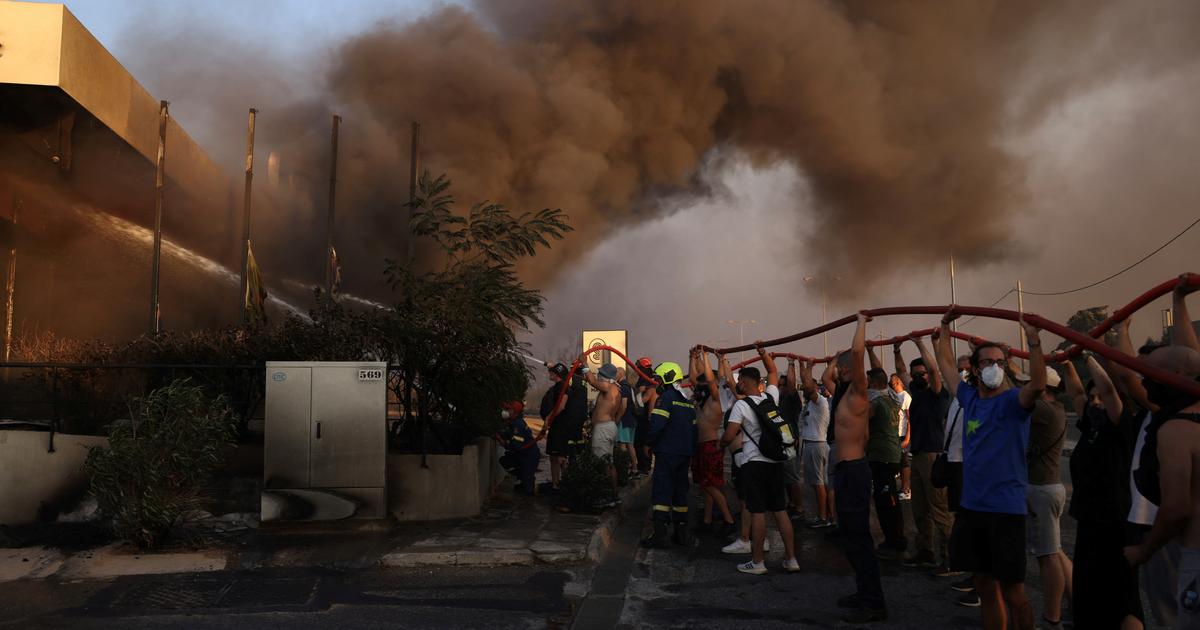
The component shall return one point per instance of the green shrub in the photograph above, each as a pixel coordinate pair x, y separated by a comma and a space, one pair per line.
585, 485
158, 461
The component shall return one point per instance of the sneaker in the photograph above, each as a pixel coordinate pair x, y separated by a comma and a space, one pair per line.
965, 585
944, 571
791, 565
865, 615
970, 600
753, 568
737, 546
795, 516
815, 523
906, 496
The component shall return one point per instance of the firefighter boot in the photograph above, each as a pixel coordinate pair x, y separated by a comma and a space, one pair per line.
658, 539
682, 536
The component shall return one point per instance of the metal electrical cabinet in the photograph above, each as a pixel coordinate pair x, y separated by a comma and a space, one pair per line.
325, 441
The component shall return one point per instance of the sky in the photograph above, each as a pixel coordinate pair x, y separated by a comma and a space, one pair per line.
1110, 170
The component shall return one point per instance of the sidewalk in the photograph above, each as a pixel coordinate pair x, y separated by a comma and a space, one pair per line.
512, 530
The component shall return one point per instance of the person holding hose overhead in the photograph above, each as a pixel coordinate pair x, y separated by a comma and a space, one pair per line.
672, 437
989, 532
852, 484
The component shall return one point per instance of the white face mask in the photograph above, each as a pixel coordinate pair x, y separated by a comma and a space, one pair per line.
964, 374
992, 376
504, 414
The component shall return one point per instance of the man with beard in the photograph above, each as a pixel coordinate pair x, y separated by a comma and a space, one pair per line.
989, 529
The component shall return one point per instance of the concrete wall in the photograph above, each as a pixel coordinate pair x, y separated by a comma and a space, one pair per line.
31, 477
454, 486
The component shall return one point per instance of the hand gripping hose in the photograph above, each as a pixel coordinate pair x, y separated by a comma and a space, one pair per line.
1080, 341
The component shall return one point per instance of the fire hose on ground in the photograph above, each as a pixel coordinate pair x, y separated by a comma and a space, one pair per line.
1080, 341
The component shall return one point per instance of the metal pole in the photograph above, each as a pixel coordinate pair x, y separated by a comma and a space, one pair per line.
1168, 320
246, 214
10, 286
337, 121
1020, 328
155, 313
953, 325
825, 319
412, 188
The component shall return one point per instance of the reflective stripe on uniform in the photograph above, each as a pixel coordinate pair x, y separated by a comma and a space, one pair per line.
661, 412
683, 404
661, 508
677, 508
517, 438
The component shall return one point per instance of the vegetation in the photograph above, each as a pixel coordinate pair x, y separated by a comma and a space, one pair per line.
159, 460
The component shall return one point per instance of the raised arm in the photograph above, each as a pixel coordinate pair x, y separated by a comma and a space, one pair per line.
1127, 379
1032, 390
858, 380
1074, 387
901, 366
806, 379
935, 375
947, 365
873, 358
829, 377
709, 380
769, 363
790, 385
1182, 333
1113, 406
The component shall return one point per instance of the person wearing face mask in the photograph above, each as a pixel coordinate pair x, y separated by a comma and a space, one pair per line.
521, 452
926, 414
883, 456
989, 529
708, 464
1104, 584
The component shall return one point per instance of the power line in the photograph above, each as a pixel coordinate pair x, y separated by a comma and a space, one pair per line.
1140, 261
998, 300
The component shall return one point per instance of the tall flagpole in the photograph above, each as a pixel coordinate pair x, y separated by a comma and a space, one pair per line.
246, 214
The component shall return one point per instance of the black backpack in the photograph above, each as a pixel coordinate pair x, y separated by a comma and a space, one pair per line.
776, 435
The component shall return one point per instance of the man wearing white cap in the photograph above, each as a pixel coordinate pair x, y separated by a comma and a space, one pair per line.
1046, 498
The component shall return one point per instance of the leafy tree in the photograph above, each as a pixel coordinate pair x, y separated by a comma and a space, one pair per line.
1085, 319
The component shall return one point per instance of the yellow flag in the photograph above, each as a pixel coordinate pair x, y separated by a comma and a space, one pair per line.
255, 300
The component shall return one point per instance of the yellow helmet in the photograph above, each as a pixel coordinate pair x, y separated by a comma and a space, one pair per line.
668, 372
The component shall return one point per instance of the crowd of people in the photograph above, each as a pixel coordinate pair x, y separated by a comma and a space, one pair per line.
973, 442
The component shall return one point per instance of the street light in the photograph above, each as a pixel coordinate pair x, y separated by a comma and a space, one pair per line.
824, 307
741, 324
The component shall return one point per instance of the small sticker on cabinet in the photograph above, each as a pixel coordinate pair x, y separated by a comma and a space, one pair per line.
279, 377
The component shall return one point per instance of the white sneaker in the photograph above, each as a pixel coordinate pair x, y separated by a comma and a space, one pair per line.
906, 496
791, 565
737, 546
753, 568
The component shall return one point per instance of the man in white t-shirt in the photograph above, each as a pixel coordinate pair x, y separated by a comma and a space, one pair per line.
904, 399
762, 477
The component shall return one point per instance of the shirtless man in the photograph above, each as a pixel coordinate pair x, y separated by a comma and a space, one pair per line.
609, 407
708, 464
1178, 514
852, 484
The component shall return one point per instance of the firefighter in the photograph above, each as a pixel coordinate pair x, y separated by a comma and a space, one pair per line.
672, 436
521, 450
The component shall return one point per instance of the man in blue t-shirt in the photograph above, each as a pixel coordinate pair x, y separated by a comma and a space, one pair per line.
989, 531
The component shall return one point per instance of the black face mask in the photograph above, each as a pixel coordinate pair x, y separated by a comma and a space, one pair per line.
918, 382
1166, 397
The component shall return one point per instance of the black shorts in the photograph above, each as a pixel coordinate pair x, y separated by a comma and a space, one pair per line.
763, 488
989, 543
565, 436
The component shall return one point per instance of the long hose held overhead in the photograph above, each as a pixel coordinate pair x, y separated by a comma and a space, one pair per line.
1080, 341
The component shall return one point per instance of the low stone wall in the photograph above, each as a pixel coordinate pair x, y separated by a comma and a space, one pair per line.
453, 486
31, 478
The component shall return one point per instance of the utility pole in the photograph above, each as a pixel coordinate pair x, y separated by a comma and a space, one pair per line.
155, 312
329, 271
1168, 321
1020, 328
824, 311
741, 324
412, 189
246, 213
10, 286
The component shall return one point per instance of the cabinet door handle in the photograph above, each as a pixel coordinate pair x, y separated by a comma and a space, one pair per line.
318, 429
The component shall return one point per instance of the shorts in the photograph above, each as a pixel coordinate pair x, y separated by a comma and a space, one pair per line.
564, 437
793, 470
625, 435
763, 488
989, 543
905, 459
833, 460
604, 439
708, 465
816, 463
1045, 505
735, 477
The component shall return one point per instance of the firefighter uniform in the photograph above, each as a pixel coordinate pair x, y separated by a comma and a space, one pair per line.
521, 453
672, 436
